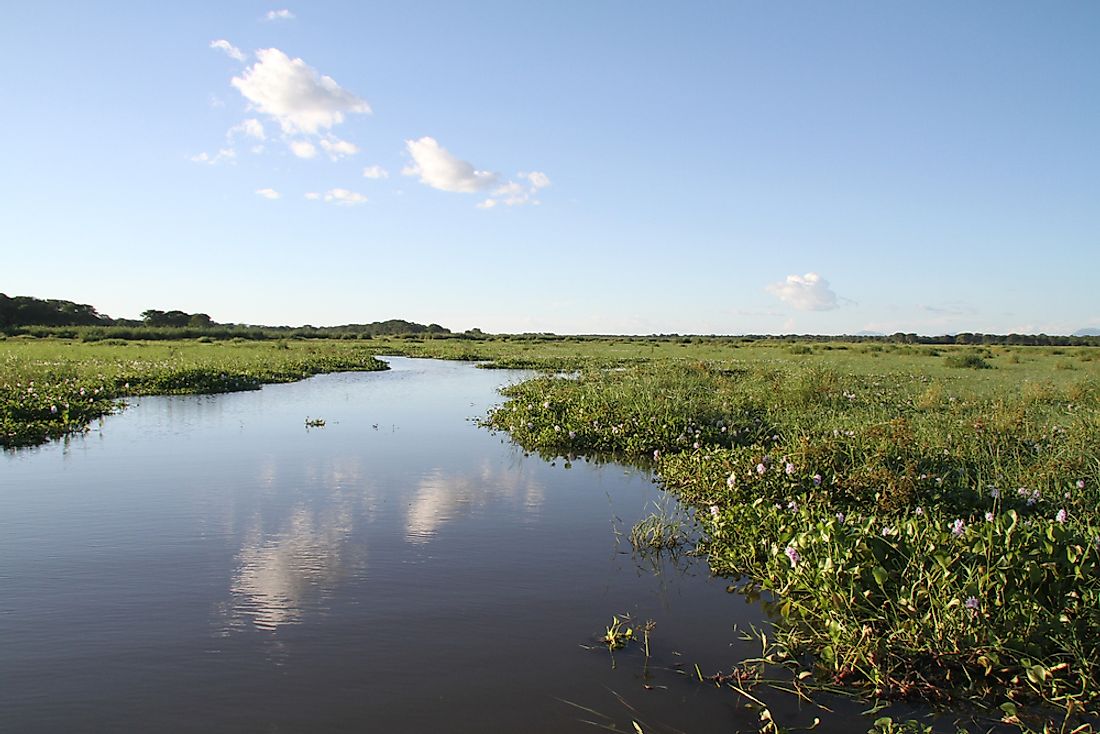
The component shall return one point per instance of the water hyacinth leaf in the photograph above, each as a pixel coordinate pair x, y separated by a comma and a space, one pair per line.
880, 575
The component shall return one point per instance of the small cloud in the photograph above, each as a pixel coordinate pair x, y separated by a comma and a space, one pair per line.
514, 193
279, 15
268, 193
809, 292
538, 179
313, 196
343, 197
251, 127
230, 50
375, 172
224, 155
295, 95
438, 168
303, 148
337, 148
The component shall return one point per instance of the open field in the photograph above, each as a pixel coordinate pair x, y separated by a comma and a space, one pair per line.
922, 520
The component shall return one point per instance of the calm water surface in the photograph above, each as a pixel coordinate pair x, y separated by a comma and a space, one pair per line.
209, 564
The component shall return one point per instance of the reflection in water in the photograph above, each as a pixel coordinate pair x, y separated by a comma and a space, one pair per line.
276, 579
441, 498
280, 575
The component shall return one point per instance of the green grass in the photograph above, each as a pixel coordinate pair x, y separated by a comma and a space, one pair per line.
50, 388
921, 530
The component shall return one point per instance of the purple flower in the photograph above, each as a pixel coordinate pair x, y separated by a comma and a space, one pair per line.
731, 480
792, 505
789, 468
572, 434
918, 511
760, 468
989, 517
1061, 516
995, 493
840, 517
695, 445
972, 604
958, 528
1080, 484
714, 511
792, 554
656, 454
817, 480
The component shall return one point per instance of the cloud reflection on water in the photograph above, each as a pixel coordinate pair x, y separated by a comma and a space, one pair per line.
281, 573
290, 564
441, 498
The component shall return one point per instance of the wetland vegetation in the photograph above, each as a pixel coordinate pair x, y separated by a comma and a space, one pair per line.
920, 519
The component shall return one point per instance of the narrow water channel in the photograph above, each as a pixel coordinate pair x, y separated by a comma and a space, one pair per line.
212, 564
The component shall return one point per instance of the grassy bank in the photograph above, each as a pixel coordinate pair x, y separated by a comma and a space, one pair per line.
923, 520
50, 388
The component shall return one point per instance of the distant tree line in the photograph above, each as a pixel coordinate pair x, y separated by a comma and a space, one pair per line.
51, 317
26, 311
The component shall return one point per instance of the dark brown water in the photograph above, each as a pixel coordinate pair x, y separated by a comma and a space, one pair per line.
209, 564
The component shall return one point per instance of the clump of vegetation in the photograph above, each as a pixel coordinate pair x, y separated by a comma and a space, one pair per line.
968, 361
664, 529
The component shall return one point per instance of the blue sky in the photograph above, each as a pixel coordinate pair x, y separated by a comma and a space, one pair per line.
576, 167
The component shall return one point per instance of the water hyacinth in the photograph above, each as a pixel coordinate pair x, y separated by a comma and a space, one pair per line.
792, 555
1061, 516
958, 528
972, 604
760, 468
789, 468
817, 480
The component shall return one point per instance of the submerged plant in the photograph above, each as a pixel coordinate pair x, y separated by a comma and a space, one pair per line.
618, 634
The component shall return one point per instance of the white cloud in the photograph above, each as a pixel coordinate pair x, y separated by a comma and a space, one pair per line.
538, 179
268, 193
222, 156
279, 15
295, 95
344, 197
251, 127
513, 193
337, 148
438, 168
230, 50
313, 196
376, 172
303, 148
809, 292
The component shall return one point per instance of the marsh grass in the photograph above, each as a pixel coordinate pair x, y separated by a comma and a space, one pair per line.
50, 388
666, 528
923, 531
